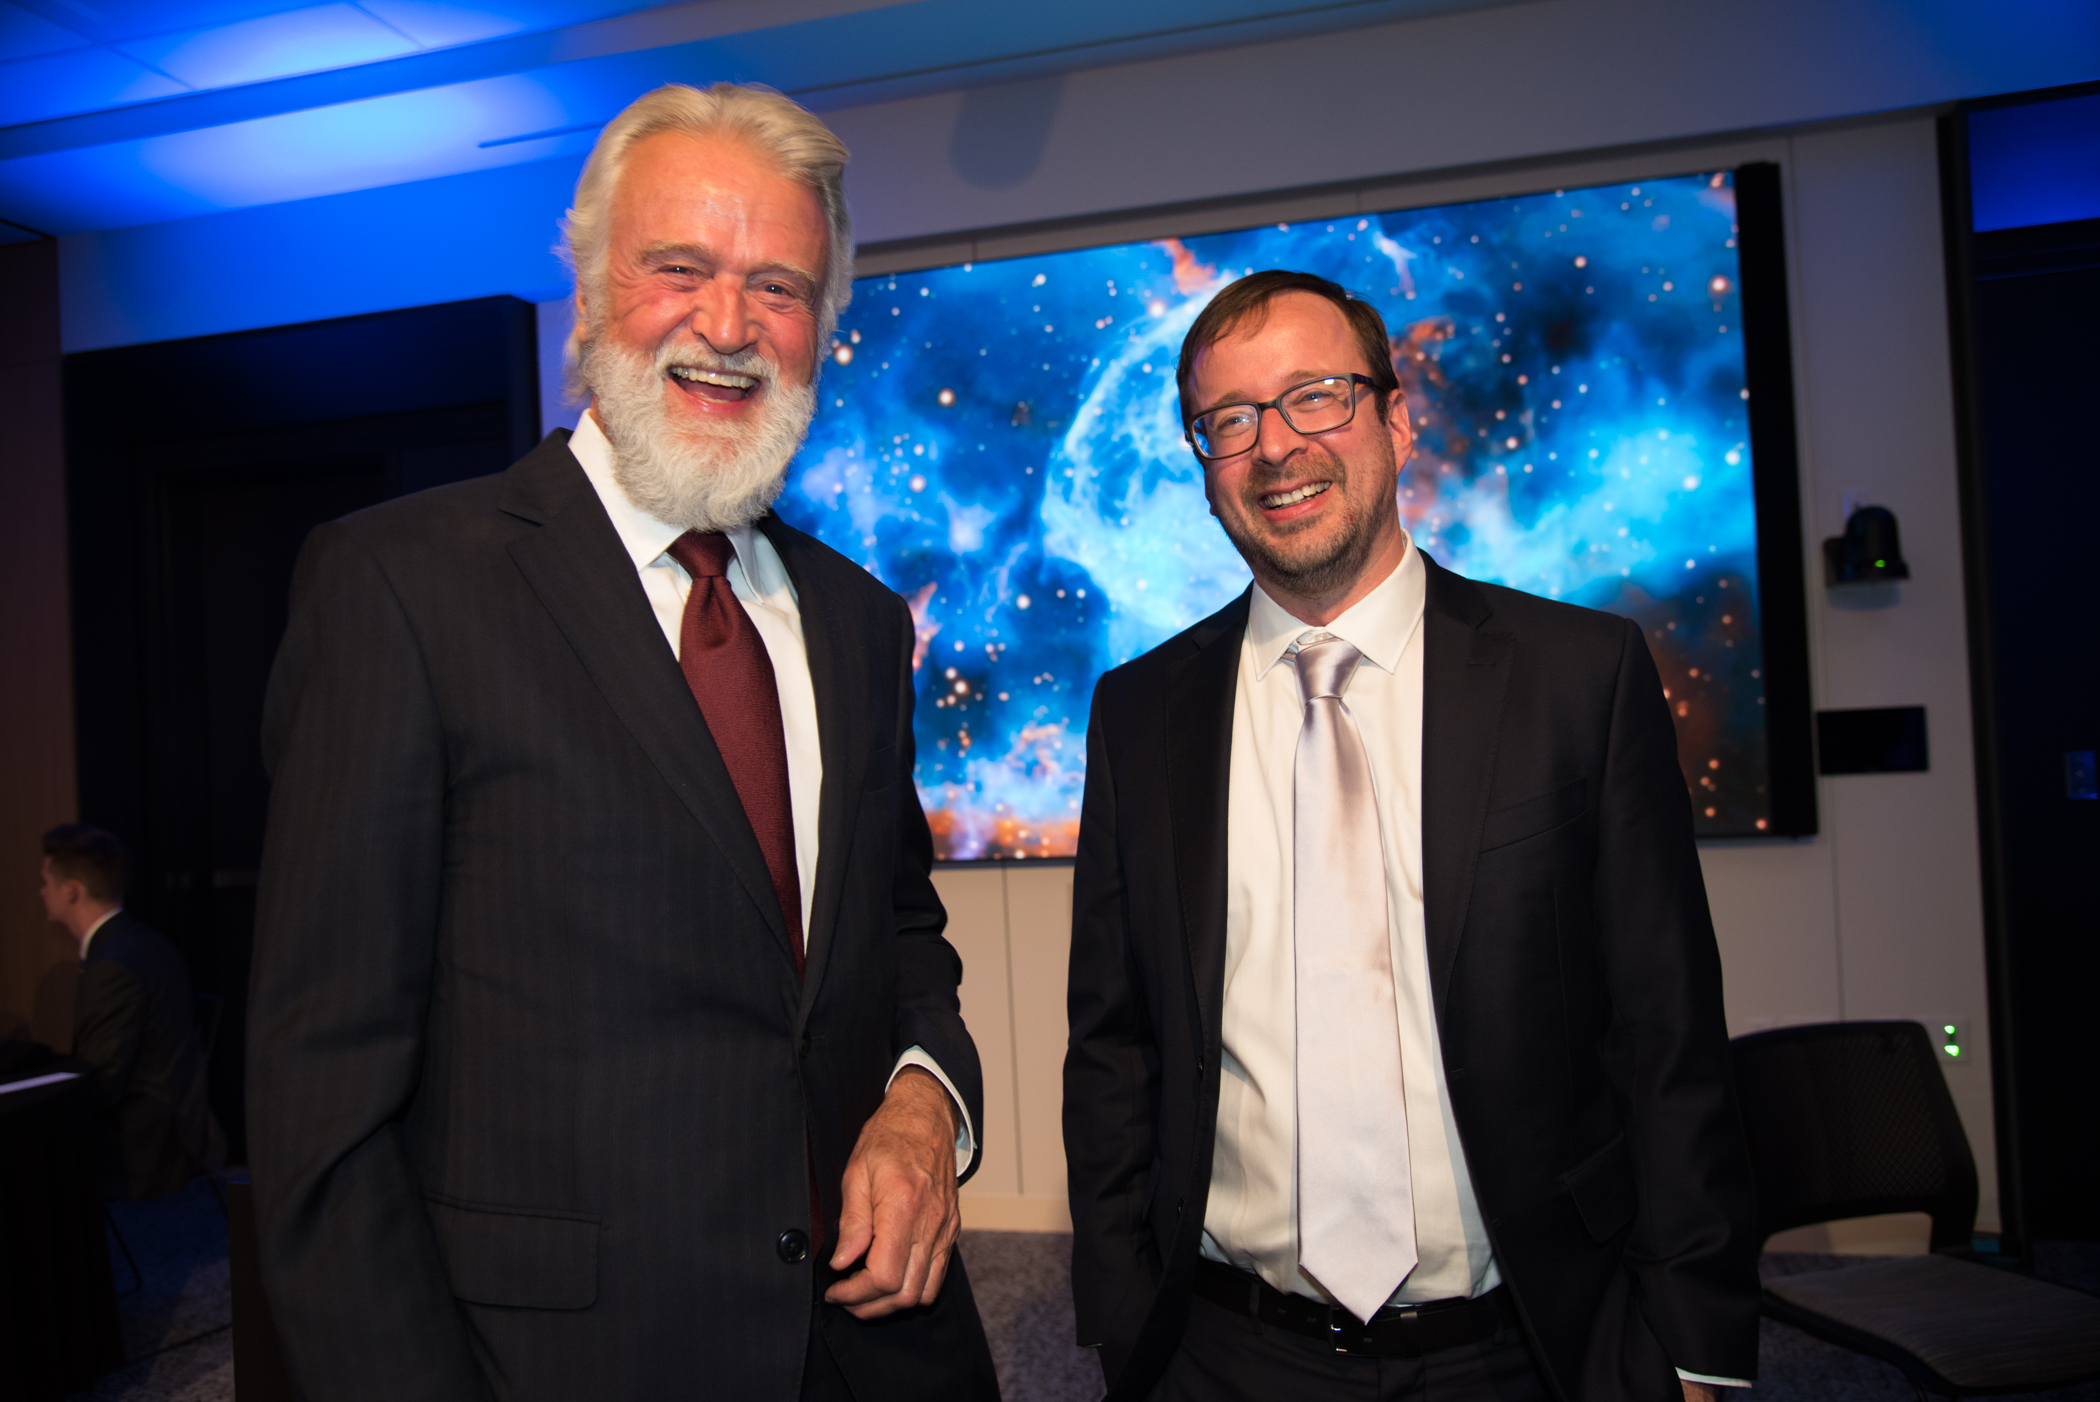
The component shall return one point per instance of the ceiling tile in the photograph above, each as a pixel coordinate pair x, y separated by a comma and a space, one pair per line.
128, 19
80, 80
23, 34
299, 155
436, 23
273, 46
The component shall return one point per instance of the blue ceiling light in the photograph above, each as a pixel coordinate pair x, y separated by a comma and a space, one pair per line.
270, 265
63, 58
271, 46
78, 80
389, 140
355, 146
53, 192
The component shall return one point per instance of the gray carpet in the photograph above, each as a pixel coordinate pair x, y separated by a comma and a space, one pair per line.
1022, 1281
1023, 1284
177, 1322
177, 1311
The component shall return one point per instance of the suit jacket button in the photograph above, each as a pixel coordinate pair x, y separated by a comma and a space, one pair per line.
793, 1246
1177, 1205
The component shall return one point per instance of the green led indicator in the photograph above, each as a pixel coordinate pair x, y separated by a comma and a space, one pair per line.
1881, 564
1950, 1031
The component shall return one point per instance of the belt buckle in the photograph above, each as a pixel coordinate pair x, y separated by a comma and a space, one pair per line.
1402, 1332
1347, 1334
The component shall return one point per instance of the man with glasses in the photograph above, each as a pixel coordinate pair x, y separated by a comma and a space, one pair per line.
1397, 1061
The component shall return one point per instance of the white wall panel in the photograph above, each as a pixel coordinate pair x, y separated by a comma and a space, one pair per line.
976, 901
1878, 424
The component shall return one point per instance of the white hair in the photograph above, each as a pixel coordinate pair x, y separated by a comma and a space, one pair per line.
803, 148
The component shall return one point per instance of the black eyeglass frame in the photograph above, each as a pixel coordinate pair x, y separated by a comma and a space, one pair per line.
1188, 429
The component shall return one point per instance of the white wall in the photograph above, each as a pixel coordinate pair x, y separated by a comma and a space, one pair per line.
1878, 916
1513, 82
1013, 928
1882, 916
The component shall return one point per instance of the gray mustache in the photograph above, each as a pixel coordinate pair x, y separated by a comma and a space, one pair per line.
742, 363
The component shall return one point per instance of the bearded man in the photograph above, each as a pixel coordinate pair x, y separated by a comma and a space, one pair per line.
1397, 1065
604, 1042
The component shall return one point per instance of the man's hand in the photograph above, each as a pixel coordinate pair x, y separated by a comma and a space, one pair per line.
900, 1208
1699, 1392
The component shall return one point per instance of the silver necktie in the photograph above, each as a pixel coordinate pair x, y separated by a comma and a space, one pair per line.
1356, 1220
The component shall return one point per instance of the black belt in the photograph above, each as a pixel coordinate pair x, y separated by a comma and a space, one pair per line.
1396, 1331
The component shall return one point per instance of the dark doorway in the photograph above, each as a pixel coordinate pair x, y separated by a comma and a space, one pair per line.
2036, 301
195, 471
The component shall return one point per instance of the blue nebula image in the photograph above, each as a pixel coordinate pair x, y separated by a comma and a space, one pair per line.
1001, 443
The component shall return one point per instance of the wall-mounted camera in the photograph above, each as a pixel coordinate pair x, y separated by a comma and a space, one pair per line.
1869, 552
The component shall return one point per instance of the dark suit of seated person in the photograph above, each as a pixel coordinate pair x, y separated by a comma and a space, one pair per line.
134, 1022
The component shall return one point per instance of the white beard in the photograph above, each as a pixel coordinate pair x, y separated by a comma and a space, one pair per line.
703, 478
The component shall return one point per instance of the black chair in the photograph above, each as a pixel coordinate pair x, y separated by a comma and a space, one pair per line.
1853, 1119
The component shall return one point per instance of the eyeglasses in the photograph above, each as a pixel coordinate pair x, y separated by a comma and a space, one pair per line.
1317, 406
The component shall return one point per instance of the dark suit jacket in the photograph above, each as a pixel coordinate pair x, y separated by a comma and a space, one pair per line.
1572, 964
534, 1091
135, 1022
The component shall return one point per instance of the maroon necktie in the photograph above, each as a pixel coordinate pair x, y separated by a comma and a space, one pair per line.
725, 663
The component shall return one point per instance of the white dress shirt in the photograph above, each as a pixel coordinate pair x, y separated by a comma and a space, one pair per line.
761, 584
1251, 1222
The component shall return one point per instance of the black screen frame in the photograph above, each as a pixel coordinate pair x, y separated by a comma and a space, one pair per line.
1782, 586
1782, 581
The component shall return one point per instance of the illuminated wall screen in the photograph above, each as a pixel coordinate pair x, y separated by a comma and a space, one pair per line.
1000, 443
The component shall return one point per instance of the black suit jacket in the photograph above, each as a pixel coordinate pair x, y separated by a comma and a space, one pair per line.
135, 1023
1572, 965
534, 1091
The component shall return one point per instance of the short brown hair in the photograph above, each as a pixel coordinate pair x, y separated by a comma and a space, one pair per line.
88, 855
1250, 297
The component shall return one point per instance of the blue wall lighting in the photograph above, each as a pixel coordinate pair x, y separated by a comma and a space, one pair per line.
2080, 779
2035, 164
270, 46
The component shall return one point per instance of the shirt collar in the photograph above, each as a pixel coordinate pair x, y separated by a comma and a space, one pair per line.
646, 538
88, 938
1378, 625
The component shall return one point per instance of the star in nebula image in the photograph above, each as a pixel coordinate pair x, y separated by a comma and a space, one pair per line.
1001, 443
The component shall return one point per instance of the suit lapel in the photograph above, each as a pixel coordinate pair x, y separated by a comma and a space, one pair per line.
1200, 697
583, 577
1465, 671
839, 666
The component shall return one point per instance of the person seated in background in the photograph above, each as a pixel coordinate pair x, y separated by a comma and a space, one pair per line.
134, 1024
